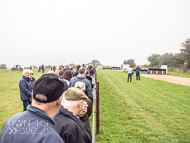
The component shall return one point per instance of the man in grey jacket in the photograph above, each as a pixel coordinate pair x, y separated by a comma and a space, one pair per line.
82, 78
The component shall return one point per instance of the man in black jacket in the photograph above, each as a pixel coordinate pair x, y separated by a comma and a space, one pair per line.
67, 120
137, 72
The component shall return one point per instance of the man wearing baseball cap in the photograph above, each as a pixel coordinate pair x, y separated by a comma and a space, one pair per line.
68, 123
36, 125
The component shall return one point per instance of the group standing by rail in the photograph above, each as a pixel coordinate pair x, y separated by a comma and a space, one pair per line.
63, 89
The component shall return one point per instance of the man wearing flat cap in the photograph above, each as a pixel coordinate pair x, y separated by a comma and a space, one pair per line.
68, 123
36, 125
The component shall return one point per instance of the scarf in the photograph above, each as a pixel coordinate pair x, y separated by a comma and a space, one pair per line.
26, 78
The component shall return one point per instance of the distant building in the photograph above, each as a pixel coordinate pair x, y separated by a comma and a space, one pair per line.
164, 67
115, 68
125, 67
156, 71
100, 67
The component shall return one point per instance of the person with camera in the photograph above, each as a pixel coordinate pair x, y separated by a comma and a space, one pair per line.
68, 123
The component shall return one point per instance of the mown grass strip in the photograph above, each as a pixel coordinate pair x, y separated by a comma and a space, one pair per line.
142, 111
179, 74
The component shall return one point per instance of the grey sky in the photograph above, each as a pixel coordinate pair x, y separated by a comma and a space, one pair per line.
111, 31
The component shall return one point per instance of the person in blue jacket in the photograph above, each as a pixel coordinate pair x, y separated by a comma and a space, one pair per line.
82, 78
36, 125
25, 89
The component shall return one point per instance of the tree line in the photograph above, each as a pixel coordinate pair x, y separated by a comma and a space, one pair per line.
177, 60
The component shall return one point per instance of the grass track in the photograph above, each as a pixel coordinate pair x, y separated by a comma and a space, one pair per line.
179, 74
142, 111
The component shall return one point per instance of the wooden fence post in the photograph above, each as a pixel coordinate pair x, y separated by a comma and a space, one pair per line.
97, 108
96, 76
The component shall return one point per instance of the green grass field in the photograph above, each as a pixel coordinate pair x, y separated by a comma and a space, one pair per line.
179, 74
141, 111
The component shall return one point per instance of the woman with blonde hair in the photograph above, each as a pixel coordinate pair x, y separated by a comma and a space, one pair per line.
81, 86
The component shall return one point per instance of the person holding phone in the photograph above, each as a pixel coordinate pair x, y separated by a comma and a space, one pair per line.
81, 86
67, 120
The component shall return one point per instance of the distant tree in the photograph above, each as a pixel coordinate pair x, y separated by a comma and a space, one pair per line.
154, 60
3, 65
48, 67
167, 59
89, 63
96, 62
131, 62
185, 52
71, 64
145, 66
178, 60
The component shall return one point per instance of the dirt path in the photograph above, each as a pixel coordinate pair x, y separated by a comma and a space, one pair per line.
169, 78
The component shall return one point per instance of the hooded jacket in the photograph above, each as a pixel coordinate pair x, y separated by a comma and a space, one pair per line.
70, 128
88, 88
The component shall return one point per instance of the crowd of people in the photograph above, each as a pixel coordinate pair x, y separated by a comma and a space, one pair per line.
56, 107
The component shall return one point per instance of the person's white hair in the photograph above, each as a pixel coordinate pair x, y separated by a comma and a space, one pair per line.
73, 104
80, 85
50, 72
30, 71
26, 70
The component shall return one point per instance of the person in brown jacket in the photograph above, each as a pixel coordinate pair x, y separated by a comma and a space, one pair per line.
32, 79
81, 86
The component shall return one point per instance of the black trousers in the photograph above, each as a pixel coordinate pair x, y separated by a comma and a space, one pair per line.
137, 76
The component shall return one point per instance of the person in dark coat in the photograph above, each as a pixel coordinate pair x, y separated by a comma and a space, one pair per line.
77, 71
43, 69
82, 77
67, 120
54, 68
137, 72
36, 125
25, 89
61, 73
71, 69
81, 86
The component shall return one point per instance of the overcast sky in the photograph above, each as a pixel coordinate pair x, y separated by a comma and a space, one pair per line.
74, 31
